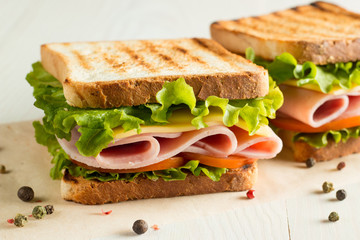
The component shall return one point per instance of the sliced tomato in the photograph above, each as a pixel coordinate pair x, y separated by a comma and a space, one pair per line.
227, 162
173, 162
178, 161
297, 126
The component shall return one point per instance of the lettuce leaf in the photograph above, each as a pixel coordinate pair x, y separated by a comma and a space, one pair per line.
253, 111
285, 67
319, 140
171, 174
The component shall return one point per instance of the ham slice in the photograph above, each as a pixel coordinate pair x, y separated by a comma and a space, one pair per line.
256, 146
354, 106
316, 108
146, 149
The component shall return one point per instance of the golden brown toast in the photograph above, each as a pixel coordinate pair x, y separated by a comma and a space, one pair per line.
84, 191
129, 73
320, 32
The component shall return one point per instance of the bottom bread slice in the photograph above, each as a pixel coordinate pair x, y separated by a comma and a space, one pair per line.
84, 191
303, 151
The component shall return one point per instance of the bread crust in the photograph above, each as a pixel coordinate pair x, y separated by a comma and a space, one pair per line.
303, 151
240, 83
93, 192
321, 50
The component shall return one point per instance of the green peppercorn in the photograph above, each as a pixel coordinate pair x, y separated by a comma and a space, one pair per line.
49, 209
327, 187
26, 193
2, 169
20, 220
310, 162
140, 227
341, 194
333, 217
39, 212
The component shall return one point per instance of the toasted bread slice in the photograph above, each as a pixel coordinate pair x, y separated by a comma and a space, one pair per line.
320, 32
129, 73
303, 151
84, 191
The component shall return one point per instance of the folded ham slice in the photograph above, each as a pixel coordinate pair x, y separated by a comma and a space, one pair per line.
146, 149
316, 108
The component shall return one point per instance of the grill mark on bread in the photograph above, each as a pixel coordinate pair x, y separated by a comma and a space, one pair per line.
82, 60
286, 26
324, 19
140, 60
113, 63
218, 52
164, 57
328, 15
300, 18
188, 54
338, 10
256, 28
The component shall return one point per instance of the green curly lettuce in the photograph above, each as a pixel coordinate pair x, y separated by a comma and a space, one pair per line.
285, 67
253, 111
319, 140
171, 174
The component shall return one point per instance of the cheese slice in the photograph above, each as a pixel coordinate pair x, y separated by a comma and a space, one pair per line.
336, 90
180, 121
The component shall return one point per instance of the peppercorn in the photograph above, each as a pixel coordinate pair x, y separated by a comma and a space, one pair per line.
140, 227
333, 217
2, 169
49, 209
26, 193
39, 212
341, 194
341, 165
327, 187
250, 194
20, 220
310, 162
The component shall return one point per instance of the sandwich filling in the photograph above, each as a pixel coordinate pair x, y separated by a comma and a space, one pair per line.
156, 140
321, 102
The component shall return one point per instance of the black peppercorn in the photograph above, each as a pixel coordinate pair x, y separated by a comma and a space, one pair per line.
333, 217
2, 169
341, 194
340, 166
310, 162
140, 226
26, 193
49, 209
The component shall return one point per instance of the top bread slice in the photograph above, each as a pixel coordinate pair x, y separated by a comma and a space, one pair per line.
128, 73
320, 32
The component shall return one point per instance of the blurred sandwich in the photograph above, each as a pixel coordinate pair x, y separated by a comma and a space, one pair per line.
144, 119
313, 52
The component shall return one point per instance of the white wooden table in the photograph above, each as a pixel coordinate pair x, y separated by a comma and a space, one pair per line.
25, 25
